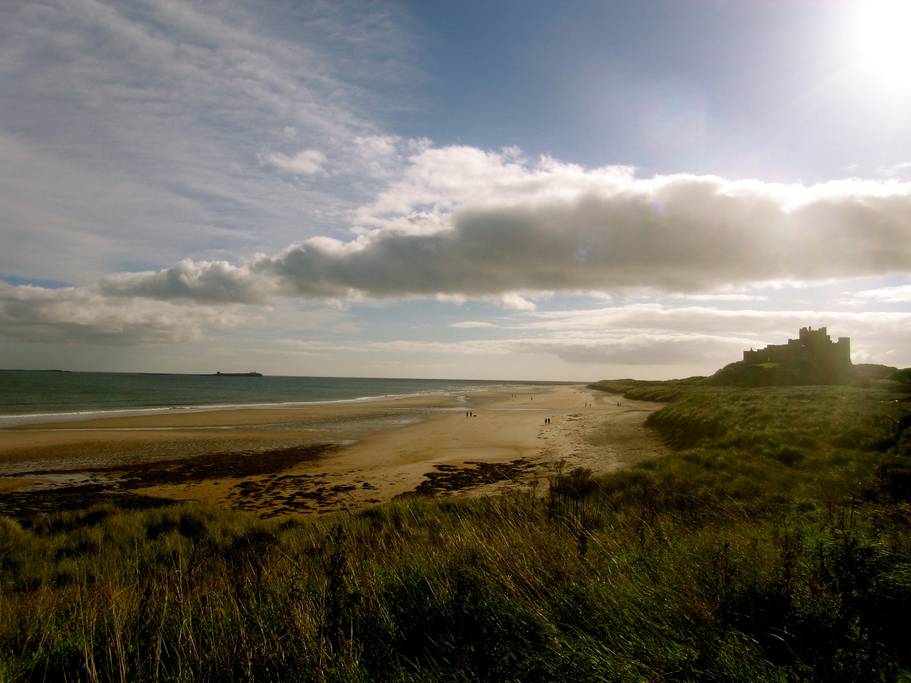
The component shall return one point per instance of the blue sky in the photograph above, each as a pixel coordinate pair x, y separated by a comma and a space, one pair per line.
762, 88
494, 190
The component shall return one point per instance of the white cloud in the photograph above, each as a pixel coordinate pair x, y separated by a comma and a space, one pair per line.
763, 323
720, 296
74, 315
642, 349
701, 339
307, 162
902, 169
515, 302
372, 149
132, 132
697, 338
472, 325
711, 336
900, 294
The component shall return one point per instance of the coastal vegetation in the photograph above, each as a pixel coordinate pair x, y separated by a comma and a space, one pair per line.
772, 544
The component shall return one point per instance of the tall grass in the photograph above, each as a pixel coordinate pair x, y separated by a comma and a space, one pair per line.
772, 545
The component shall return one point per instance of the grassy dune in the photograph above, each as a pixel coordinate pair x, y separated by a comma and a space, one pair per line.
773, 544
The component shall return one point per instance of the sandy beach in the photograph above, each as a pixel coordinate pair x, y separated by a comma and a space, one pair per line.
325, 457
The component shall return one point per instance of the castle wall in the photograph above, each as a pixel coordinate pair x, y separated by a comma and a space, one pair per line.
813, 356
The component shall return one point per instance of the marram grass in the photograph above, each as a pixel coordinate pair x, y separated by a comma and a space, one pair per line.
773, 544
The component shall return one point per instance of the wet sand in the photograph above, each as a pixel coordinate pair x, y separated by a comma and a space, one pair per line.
325, 457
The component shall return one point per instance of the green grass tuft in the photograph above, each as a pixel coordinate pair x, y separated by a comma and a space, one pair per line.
772, 544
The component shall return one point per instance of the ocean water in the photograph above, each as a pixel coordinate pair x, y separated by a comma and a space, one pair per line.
54, 393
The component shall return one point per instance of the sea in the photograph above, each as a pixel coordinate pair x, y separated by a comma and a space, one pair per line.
41, 395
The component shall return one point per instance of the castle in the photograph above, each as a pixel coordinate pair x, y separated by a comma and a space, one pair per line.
813, 356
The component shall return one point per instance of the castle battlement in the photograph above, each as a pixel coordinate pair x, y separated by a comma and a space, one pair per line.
813, 354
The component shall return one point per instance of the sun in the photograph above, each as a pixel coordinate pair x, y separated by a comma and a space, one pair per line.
882, 29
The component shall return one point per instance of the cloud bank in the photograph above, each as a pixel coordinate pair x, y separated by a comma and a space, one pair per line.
78, 315
464, 222
459, 224
698, 337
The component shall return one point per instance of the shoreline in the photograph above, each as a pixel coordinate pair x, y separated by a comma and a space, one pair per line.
370, 451
15, 420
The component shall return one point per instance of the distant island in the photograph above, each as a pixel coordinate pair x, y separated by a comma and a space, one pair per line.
238, 374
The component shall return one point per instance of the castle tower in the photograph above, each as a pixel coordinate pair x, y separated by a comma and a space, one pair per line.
812, 358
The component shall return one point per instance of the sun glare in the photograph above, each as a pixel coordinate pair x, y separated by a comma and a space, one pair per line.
883, 32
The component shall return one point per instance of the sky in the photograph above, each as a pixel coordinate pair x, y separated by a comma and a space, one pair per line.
496, 190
